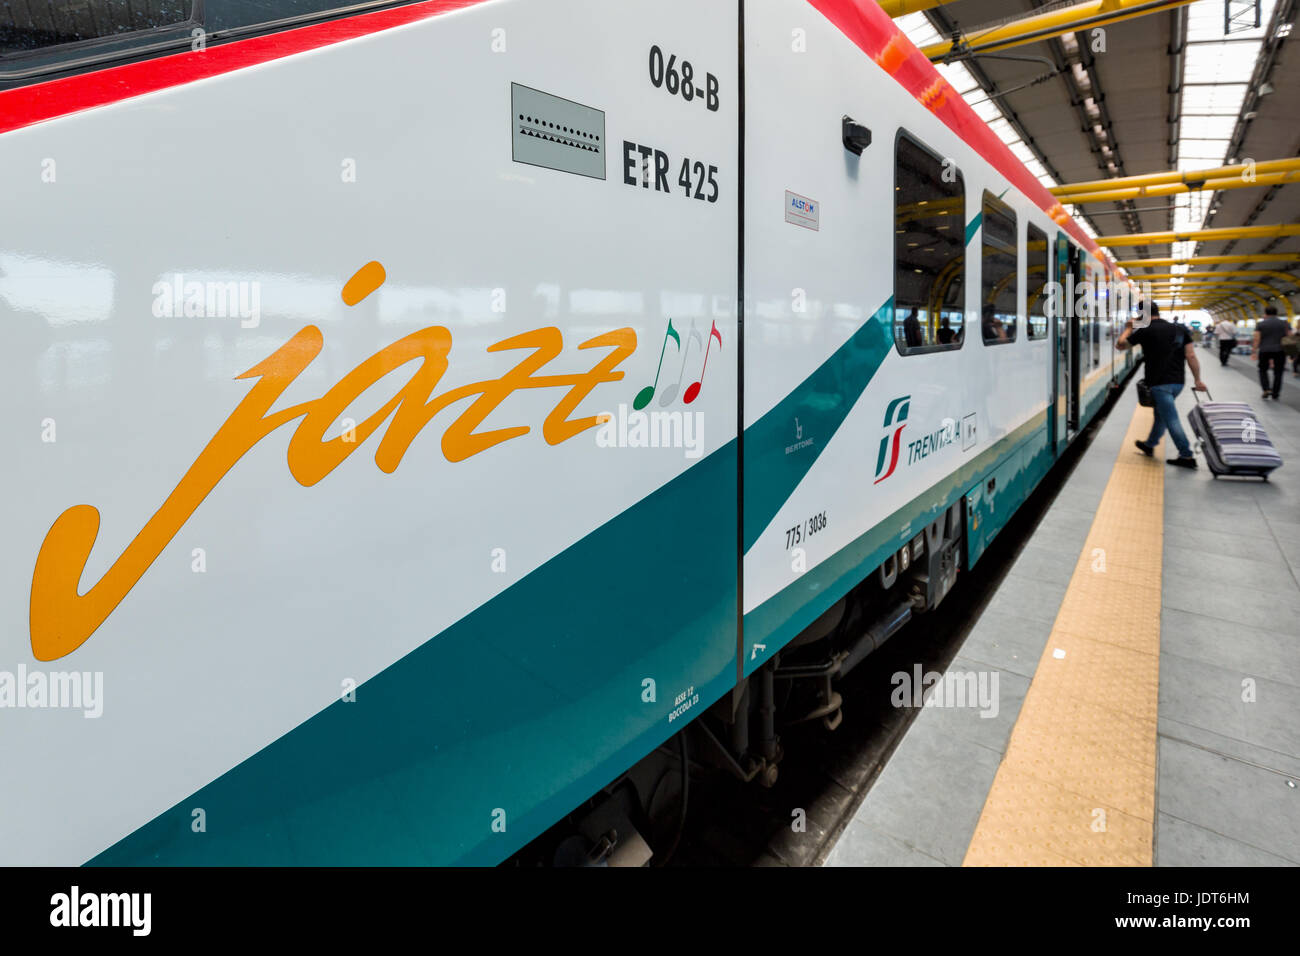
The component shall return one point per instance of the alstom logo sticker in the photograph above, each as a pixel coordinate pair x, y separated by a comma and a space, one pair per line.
802, 211
895, 416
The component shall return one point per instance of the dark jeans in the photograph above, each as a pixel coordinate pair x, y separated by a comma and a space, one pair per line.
1167, 417
1225, 349
1278, 362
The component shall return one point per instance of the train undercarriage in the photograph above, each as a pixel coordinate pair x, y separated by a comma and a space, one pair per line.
637, 820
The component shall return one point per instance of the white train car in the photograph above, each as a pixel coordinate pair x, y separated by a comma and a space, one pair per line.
421, 412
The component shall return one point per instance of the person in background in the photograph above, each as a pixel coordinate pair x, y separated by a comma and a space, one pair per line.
1166, 347
946, 334
912, 331
991, 326
1266, 346
1226, 332
1291, 348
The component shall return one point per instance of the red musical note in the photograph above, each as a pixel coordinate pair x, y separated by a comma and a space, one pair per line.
693, 392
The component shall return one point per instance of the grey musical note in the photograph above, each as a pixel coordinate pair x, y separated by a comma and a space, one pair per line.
670, 391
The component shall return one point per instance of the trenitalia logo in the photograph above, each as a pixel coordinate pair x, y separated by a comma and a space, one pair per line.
62, 617
895, 414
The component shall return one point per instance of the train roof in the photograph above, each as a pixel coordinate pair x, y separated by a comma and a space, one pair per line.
872, 30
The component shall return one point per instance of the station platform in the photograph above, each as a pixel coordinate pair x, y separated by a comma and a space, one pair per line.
1146, 645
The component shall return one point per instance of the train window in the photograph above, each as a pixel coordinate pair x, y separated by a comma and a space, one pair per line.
34, 25
1000, 286
929, 251
232, 14
1038, 259
39, 38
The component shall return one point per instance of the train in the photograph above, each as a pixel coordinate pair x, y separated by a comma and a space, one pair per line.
429, 419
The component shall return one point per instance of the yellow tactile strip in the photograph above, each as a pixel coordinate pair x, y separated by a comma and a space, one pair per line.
1077, 783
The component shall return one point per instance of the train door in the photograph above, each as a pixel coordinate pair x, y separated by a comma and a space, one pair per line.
1066, 351
1088, 324
1077, 344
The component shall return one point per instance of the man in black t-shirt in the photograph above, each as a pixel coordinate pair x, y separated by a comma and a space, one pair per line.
1266, 346
1165, 349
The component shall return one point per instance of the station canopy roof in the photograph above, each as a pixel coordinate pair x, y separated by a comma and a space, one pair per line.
1190, 86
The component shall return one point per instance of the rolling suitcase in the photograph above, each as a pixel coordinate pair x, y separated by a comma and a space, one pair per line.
1232, 438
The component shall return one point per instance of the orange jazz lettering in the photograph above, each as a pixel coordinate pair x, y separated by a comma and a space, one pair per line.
63, 618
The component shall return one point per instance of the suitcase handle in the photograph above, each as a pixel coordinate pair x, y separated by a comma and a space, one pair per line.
1196, 394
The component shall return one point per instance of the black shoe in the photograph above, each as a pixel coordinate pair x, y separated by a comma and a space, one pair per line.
1145, 448
1188, 462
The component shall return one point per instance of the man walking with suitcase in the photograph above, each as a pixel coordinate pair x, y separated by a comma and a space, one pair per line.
1266, 346
1165, 349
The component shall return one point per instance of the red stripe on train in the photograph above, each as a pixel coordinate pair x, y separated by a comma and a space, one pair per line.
42, 101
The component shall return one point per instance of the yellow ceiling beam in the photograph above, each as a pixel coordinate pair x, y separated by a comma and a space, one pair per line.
1238, 311
1044, 26
1225, 290
1260, 273
1208, 285
1263, 302
1209, 288
1189, 177
1209, 260
1173, 189
1200, 235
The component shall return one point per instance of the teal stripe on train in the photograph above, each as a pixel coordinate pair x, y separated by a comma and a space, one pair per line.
780, 618
528, 705
774, 464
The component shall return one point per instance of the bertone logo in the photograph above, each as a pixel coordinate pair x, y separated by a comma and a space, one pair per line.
895, 415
